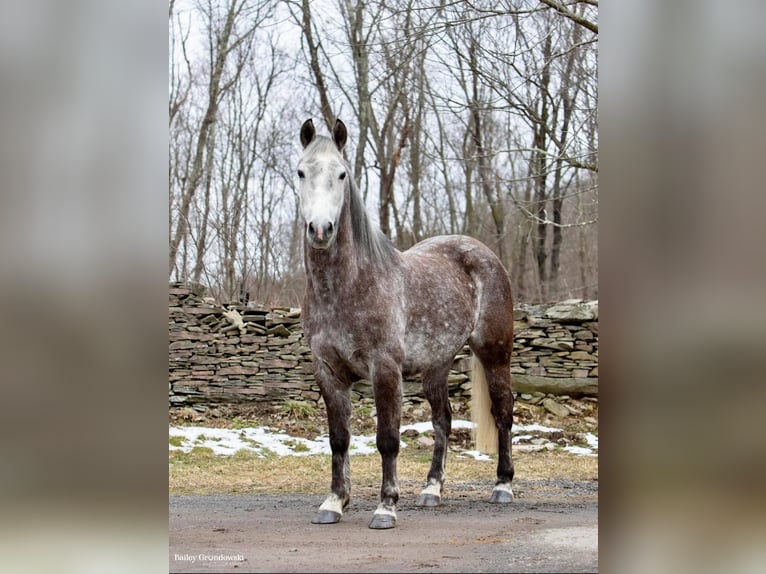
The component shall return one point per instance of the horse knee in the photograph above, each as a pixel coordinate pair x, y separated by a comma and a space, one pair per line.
340, 444
388, 443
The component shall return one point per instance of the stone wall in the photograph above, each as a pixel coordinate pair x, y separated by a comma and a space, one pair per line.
211, 360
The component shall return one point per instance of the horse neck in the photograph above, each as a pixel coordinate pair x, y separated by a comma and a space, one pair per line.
334, 270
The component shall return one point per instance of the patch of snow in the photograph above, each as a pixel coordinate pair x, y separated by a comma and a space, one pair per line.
427, 426
265, 440
475, 454
579, 450
520, 437
261, 440
592, 441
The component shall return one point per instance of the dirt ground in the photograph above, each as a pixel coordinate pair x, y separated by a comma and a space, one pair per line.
552, 526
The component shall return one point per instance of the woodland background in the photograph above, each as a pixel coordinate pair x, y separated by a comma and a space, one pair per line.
475, 117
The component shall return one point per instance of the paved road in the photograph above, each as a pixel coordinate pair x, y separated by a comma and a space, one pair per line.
552, 526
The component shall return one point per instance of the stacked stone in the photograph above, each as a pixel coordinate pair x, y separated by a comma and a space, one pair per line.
556, 348
555, 352
207, 364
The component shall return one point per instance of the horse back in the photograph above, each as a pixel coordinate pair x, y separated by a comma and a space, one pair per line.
455, 288
463, 262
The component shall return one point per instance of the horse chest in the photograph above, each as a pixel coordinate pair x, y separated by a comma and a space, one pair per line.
352, 347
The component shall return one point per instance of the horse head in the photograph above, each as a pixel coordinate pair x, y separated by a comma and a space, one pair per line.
322, 174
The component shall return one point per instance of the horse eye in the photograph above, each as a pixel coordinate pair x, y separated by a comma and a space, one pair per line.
301, 174
343, 175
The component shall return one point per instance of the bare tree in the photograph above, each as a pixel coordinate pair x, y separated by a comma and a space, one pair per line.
468, 117
578, 19
225, 34
312, 46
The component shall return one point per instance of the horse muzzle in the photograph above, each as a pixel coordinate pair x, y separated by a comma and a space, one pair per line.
320, 235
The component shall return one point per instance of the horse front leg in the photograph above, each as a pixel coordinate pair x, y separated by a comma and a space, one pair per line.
387, 389
337, 399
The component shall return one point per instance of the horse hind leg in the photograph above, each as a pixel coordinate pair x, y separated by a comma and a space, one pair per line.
496, 375
499, 382
436, 392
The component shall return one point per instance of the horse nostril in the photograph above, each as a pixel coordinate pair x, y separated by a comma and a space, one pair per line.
320, 232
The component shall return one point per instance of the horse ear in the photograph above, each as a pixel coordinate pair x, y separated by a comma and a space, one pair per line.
339, 134
307, 132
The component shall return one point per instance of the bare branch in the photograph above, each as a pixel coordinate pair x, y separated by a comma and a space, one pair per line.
576, 18
546, 221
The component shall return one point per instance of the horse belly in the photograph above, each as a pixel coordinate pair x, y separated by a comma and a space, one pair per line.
440, 312
426, 348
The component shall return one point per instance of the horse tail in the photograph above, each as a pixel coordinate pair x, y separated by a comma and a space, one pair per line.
485, 432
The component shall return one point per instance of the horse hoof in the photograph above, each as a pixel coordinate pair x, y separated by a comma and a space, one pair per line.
501, 496
382, 521
326, 517
428, 500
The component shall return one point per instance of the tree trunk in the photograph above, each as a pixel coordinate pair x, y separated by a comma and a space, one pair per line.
222, 45
201, 242
454, 226
416, 152
567, 103
313, 47
526, 230
541, 196
482, 155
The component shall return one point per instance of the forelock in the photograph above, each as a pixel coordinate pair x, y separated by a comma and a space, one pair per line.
320, 149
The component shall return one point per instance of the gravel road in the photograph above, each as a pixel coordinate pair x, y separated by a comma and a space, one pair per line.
552, 526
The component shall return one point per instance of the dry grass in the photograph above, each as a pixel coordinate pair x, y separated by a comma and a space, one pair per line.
202, 472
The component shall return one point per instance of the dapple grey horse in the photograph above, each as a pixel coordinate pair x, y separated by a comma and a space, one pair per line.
374, 312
